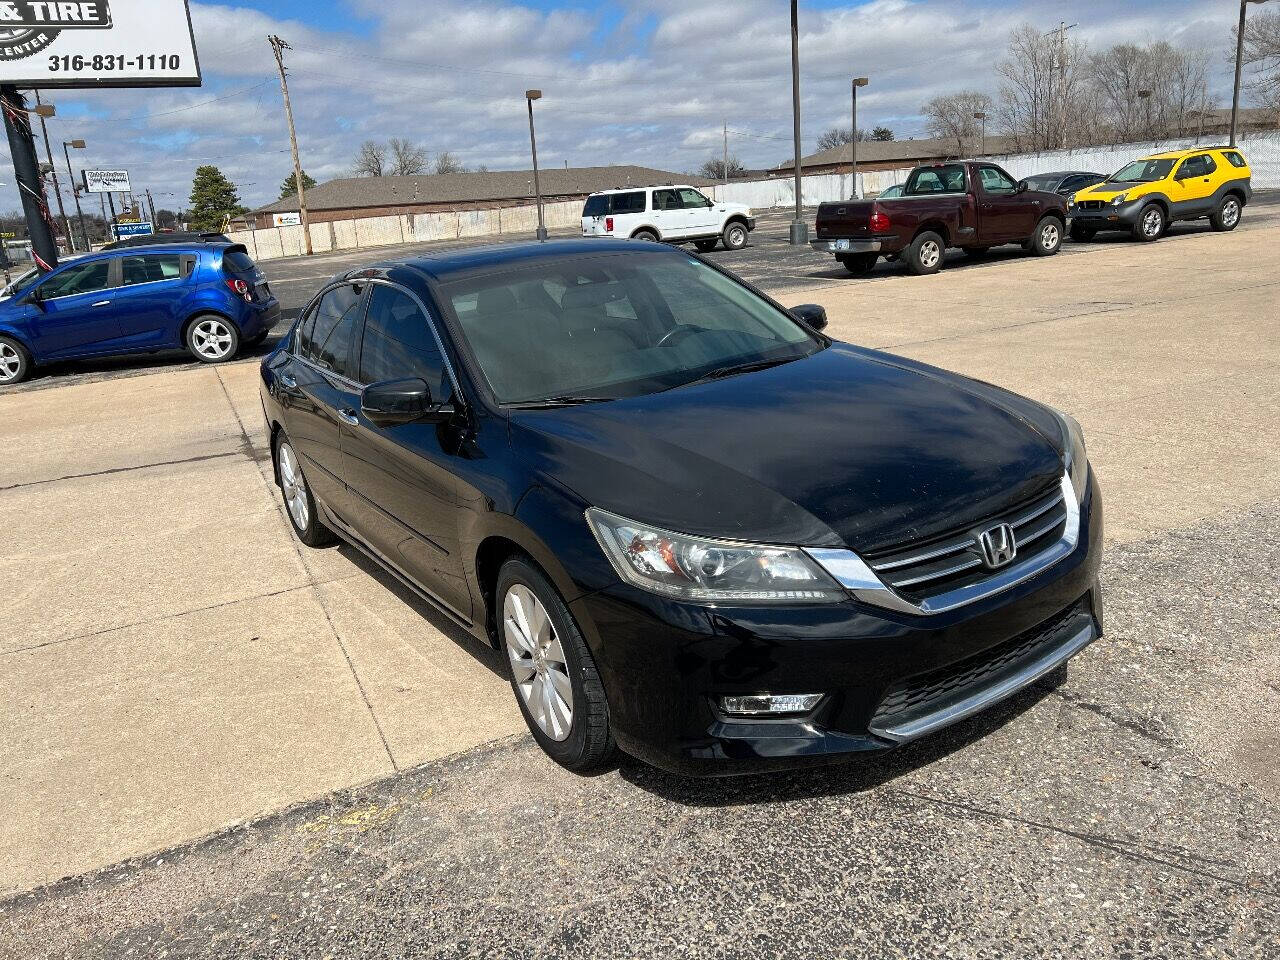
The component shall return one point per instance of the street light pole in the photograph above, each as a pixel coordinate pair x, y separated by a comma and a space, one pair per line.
75, 191
43, 110
853, 135
1235, 91
799, 229
529, 97
982, 116
1146, 95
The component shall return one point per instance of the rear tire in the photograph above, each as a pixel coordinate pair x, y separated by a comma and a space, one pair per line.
859, 264
547, 658
212, 338
645, 234
924, 256
15, 362
706, 246
1082, 234
1227, 216
1151, 223
299, 504
734, 236
1047, 240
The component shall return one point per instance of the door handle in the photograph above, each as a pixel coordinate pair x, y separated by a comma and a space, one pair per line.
101, 303
288, 380
349, 416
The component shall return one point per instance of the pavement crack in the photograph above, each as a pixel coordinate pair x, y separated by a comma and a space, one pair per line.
113, 470
1134, 726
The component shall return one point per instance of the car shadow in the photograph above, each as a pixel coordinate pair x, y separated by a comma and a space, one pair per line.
846, 774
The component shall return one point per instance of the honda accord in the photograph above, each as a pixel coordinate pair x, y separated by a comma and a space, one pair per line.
697, 527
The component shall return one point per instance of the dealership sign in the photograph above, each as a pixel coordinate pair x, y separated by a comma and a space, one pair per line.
97, 43
107, 181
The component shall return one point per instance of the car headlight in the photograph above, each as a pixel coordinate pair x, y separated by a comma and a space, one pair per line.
1077, 459
1118, 199
698, 568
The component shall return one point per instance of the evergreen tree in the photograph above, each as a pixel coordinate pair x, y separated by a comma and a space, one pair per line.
213, 199
289, 187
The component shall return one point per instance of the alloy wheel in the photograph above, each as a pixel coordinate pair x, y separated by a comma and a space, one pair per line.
929, 254
10, 363
212, 339
1152, 222
737, 236
294, 487
1049, 236
1230, 212
538, 662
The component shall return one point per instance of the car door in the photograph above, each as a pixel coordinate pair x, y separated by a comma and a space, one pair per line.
669, 215
150, 291
1195, 180
401, 477
318, 391
701, 212
1004, 214
73, 314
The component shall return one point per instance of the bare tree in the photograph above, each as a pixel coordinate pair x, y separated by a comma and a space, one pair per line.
1046, 101
951, 118
713, 169
371, 160
1175, 83
407, 158
839, 137
1262, 53
446, 162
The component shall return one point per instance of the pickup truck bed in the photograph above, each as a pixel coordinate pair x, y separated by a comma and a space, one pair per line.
971, 205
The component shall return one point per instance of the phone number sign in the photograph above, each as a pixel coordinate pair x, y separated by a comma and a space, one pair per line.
97, 43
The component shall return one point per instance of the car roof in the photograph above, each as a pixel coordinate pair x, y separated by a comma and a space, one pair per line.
647, 186
1067, 173
1179, 154
449, 264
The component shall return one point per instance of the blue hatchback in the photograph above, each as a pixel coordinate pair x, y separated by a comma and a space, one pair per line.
207, 298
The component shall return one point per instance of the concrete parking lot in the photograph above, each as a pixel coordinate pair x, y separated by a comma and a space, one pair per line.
175, 667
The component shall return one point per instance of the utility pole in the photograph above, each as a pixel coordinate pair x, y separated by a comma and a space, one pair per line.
725, 169
26, 169
278, 47
529, 97
53, 170
75, 190
151, 206
1058, 105
799, 229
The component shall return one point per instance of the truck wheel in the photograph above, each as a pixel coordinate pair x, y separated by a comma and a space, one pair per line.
1082, 234
1048, 237
1150, 224
925, 254
734, 236
706, 246
1227, 216
859, 264
644, 235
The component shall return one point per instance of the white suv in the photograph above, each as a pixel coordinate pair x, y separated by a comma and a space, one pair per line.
677, 214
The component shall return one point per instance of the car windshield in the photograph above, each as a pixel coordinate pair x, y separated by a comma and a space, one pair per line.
891, 192
1143, 171
617, 325
926, 180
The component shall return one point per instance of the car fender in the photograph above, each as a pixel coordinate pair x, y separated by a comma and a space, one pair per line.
645, 226
15, 330
205, 300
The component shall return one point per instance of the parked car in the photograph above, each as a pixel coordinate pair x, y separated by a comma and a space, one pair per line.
208, 298
1147, 195
174, 236
890, 192
1064, 182
696, 526
971, 204
29, 274
675, 214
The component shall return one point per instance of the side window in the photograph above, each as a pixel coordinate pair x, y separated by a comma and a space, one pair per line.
150, 268
1233, 158
85, 278
995, 181
628, 202
398, 343
1197, 166
326, 341
693, 200
666, 200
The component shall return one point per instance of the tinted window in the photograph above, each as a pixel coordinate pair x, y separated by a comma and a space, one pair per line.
926, 180
628, 202
398, 343
666, 200
1197, 166
1079, 182
239, 261
151, 267
693, 200
596, 206
1233, 158
79, 279
325, 338
994, 180
1044, 183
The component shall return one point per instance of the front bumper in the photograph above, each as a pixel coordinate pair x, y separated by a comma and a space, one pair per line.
1120, 217
841, 246
751, 224
886, 677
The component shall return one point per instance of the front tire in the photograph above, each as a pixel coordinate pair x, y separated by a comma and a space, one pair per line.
299, 504
1151, 224
734, 236
553, 675
1227, 216
859, 264
15, 362
212, 338
1047, 239
924, 256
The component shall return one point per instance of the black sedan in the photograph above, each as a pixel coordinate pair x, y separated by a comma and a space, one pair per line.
699, 528
1064, 182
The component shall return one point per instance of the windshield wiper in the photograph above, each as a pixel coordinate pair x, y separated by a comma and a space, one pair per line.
719, 373
564, 401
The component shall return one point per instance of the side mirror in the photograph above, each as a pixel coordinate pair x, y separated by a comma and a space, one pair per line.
1022, 187
35, 298
811, 315
391, 402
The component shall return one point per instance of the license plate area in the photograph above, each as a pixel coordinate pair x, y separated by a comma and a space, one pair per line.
839, 244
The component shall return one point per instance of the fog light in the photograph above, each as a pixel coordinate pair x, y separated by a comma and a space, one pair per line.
757, 705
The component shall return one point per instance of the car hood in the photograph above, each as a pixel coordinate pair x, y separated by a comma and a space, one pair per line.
1105, 191
845, 447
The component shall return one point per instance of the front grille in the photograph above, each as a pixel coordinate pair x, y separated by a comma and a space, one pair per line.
932, 691
926, 570
1091, 204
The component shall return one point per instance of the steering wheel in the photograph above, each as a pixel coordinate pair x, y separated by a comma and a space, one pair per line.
677, 333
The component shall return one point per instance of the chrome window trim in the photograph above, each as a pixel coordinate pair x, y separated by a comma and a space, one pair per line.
855, 575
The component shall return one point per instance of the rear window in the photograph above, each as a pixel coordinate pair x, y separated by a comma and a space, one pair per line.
239, 261
1233, 158
596, 206
944, 179
605, 204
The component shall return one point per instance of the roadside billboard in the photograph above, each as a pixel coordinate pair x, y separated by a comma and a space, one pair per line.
106, 181
97, 43
131, 230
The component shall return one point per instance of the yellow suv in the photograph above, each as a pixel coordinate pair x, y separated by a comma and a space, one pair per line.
1145, 196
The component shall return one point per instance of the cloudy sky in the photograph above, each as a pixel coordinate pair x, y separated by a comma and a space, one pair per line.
624, 81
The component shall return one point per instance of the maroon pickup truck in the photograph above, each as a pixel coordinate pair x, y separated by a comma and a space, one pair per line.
972, 205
